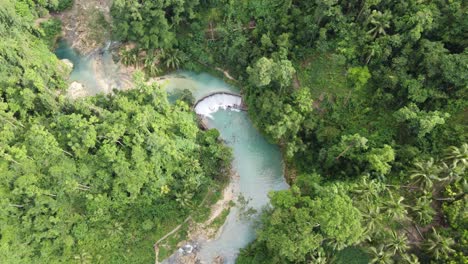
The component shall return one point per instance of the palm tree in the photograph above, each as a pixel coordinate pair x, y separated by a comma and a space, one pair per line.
125, 57
152, 70
457, 156
373, 219
438, 245
395, 208
425, 173
172, 58
134, 57
448, 173
380, 255
397, 243
150, 66
83, 258
422, 210
184, 198
410, 259
115, 229
129, 57
368, 190
380, 22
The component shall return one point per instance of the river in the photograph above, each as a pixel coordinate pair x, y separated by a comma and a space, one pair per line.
258, 163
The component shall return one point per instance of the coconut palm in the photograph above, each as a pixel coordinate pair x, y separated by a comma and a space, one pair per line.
83, 258
141, 60
422, 211
368, 190
395, 208
438, 245
184, 198
380, 21
373, 220
115, 229
410, 259
425, 174
380, 255
457, 156
172, 58
397, 243
448, 173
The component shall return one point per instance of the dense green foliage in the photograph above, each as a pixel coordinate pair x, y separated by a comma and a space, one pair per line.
51, 31
359, 94
97, 180
32, 8
368, 100
298, 225
150, 23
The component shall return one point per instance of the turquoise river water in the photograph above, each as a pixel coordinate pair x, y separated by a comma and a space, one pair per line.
258, 163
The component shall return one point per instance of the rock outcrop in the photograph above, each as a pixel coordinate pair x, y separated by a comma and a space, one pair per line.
68, 63
76, 90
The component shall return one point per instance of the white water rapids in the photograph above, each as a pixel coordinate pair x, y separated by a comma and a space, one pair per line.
212, 103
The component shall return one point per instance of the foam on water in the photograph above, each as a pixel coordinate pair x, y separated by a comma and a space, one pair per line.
211, 104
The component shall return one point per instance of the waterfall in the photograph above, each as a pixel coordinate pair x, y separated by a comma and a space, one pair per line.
212, 103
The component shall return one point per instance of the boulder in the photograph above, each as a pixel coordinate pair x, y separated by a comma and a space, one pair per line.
76, 90
68, 63
186, 249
